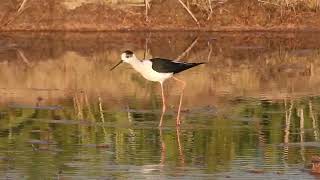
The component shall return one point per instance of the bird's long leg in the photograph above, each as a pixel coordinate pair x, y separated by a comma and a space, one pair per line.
181, 96
163, 105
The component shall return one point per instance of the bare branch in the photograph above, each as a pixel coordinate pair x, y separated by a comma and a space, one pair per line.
147, 5
210, 51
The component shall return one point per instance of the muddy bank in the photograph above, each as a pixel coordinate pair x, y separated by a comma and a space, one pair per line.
227, 15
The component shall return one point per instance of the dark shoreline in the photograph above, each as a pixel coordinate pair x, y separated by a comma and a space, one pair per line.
224, 29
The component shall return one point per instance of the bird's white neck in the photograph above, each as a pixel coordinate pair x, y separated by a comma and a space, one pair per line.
145, 69
135, 63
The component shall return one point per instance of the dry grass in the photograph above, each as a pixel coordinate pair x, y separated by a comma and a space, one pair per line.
312, 4
208, 4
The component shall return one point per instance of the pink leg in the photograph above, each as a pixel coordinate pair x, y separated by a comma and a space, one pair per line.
181, 96
163, 105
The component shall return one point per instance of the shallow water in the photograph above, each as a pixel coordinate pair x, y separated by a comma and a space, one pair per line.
252, 111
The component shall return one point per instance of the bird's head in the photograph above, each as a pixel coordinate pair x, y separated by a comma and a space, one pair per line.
127, 56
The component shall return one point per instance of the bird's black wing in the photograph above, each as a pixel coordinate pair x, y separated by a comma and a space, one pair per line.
167, 66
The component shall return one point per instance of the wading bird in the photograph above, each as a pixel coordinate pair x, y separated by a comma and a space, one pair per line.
158, 70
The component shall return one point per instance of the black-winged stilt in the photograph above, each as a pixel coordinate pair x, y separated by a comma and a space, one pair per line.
159, 70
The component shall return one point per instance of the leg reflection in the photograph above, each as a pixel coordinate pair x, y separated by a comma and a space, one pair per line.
181, 154
163, 148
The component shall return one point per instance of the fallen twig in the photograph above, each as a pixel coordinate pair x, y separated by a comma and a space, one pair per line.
23, 4
189, 11
18, 13
211, 10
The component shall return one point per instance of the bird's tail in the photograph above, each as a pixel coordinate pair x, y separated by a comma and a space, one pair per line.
196, 64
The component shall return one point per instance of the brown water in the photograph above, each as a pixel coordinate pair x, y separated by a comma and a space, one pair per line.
251, 112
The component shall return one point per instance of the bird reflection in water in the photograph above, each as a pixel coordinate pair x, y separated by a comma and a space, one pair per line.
163, 147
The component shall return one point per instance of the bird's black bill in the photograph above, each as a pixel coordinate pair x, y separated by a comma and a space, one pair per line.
116, 65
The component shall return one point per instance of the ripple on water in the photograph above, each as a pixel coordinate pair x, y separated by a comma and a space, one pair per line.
249, 113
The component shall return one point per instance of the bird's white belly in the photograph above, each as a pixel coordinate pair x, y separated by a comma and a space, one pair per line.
155, 76
145, 69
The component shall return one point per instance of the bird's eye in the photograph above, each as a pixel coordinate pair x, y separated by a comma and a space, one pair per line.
127, 55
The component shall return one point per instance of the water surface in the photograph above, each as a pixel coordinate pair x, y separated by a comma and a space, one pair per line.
252, 111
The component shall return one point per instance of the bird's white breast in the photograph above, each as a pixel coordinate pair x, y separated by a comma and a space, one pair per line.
145, 69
